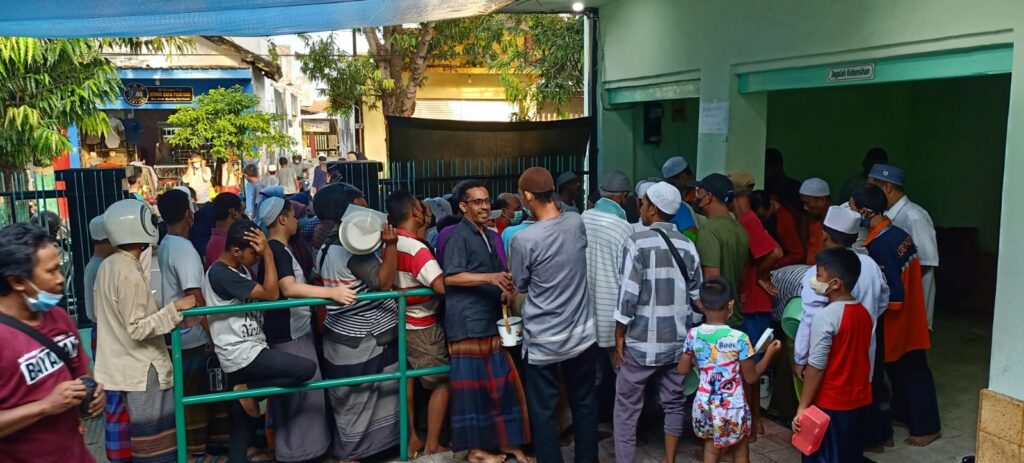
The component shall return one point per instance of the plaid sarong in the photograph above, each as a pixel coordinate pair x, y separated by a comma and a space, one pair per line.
488, 405
117, 429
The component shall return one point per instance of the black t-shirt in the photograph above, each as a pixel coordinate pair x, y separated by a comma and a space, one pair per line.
277, 323
228, 283
471, 312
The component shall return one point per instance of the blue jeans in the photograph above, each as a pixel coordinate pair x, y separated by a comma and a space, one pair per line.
754, 325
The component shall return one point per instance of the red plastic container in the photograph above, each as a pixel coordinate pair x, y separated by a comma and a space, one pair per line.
812, 430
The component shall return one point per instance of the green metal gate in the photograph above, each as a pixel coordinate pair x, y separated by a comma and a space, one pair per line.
181, 400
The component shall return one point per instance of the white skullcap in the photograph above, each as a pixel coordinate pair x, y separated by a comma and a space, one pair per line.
674, 166
842, 219
270, 208
642, 186
815, 187
665, 197
97, 230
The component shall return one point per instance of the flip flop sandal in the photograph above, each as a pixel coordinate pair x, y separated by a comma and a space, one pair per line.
254, 455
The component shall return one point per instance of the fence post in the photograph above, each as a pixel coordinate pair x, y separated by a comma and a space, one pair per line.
403, 385
179, 395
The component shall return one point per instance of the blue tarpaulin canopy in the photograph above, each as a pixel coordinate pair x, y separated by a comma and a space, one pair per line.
133, 18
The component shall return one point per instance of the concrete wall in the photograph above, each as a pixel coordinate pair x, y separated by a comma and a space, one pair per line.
657, 41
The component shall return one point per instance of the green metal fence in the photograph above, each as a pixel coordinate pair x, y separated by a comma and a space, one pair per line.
181, 400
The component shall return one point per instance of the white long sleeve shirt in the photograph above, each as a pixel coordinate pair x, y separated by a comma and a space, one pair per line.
870, 289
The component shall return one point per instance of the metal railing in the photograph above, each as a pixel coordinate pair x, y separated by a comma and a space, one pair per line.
181, 400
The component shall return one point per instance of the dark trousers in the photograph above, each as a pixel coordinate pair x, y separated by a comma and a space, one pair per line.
878, 419
270, 369
914, 396
580, 376
842, 442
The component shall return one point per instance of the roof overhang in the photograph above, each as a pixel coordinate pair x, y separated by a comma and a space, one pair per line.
124, 18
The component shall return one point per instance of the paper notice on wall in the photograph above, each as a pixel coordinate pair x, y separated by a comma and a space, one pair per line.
714, 117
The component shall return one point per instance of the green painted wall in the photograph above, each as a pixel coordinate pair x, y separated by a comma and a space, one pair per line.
640, 160
646, 42
949, 135
678, 137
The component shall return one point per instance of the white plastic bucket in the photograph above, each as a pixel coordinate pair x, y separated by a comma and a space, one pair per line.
513, 335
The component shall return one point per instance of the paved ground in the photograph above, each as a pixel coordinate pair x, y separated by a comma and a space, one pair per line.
959, 361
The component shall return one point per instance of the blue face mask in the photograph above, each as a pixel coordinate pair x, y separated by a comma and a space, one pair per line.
43, 301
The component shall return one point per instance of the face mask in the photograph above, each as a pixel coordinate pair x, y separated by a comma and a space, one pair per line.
517, 218
696, 206
43, 301
819, 287
864, 222
195, 165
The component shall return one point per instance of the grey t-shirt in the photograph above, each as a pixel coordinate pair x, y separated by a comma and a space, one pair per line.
549, 264
181, 269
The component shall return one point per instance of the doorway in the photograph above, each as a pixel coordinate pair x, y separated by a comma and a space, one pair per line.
949, 135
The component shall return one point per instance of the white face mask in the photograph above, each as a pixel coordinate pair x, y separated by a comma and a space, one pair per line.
819, 287
195, 165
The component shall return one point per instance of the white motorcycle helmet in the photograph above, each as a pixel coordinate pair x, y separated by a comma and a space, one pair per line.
130, 221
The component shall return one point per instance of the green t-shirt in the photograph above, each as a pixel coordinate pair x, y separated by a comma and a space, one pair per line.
723, 243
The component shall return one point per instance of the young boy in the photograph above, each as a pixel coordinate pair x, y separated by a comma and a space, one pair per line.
300, 431
724, 357
101, 249
427, 346
227, 209
181, 270
238, 337
838, 375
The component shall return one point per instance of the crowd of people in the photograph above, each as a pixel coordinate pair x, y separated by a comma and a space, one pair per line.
654, 282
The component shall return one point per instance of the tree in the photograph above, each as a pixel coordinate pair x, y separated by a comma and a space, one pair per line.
46, 85
539, 58
227, 123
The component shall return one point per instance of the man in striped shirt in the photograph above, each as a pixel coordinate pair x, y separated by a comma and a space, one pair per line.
654, 316
426, 345
607, 230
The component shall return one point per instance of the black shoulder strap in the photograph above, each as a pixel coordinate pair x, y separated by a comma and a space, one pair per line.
331, 241
41, 338
675, 252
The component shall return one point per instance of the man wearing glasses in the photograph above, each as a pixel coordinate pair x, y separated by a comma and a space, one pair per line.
488, 407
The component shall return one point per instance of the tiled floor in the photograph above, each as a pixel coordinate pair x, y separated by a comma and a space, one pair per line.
959, 361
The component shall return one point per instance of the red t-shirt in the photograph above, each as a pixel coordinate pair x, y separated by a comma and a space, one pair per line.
846, 384
29, 372
788, 233
417, 268
755, 299
215, 247
815, 242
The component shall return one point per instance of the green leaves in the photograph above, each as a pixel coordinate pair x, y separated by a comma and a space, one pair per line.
45, 86
226, 123
538, 57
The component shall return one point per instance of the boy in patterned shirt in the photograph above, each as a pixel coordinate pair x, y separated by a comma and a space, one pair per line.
724, 357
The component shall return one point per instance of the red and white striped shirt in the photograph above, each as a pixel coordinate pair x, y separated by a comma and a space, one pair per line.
417, 268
